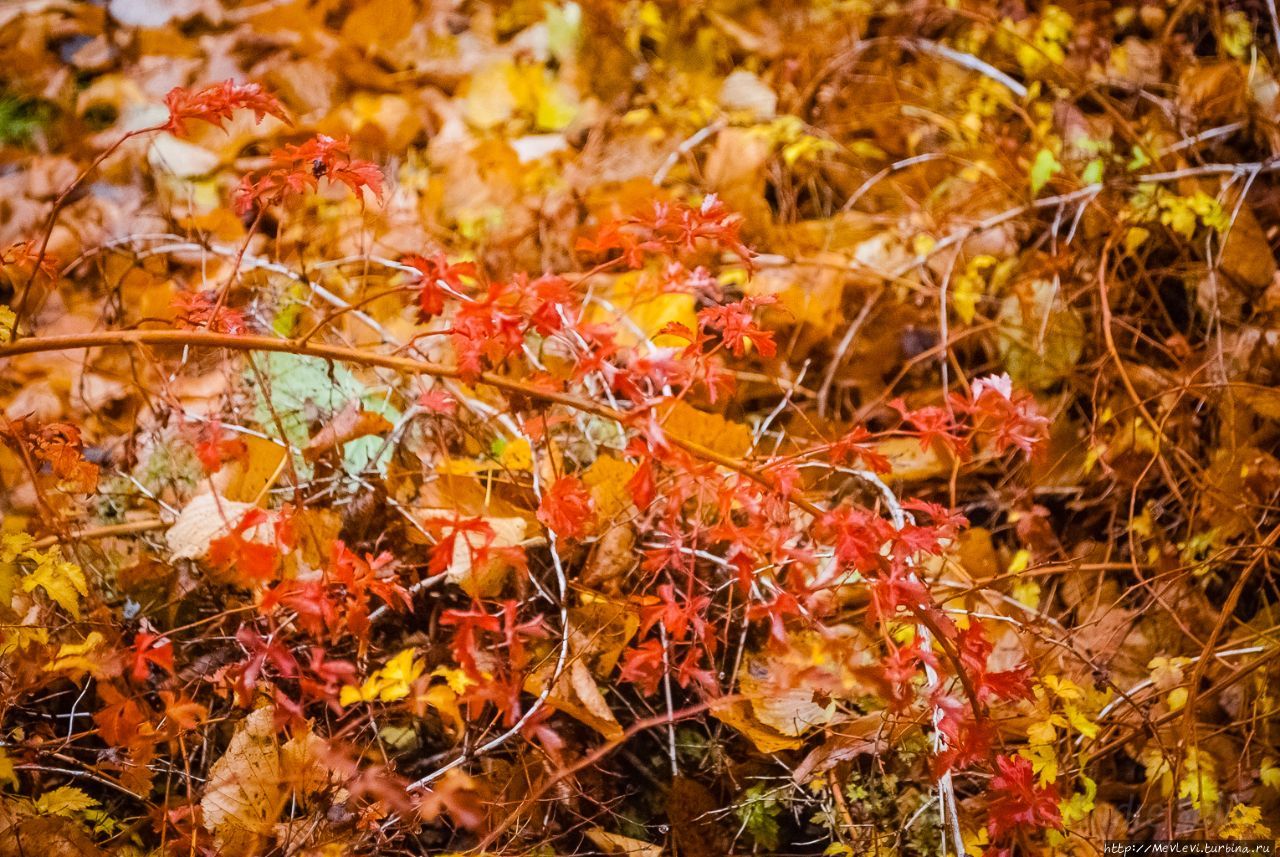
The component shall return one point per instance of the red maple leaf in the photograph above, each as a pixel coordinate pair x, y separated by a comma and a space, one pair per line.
643, 665
438, 401
438, 277
197, 310
566, 508
251, 559
214, 447
975, 649
295, 170
737, 327
1017, 802
1010, 418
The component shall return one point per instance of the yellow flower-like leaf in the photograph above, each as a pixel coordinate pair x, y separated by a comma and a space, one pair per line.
388, 684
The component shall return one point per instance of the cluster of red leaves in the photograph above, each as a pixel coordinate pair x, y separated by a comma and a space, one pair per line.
215, 104
339, 600
270, 661
993, 412
439, 278
477, 636
296, 170
673, 231
688, 506
566, 508
215, 447
1018, 804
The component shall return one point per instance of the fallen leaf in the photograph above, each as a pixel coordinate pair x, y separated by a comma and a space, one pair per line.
254, 779
205, 518
348, 424
614, 843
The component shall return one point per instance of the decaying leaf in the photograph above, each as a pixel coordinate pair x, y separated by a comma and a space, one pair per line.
250, 785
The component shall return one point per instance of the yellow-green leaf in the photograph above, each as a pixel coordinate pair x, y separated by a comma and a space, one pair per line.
65, 801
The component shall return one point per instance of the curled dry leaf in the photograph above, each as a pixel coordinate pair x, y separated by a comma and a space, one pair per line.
350, 423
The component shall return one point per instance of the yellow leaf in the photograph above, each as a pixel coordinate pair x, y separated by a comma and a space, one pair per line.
79, 658
516, 455
65, 801
379, 25
740, 716
1027, 592
1270, 774
443, 699
388, 684
62, 581
710, 430
7, 773
1045, 731
1079, 721
457, 680
607, 479
638, 313
260, 470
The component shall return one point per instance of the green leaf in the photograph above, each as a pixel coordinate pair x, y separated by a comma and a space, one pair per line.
1044, 167
1093, 172
300, 389
1040, 337
758, 814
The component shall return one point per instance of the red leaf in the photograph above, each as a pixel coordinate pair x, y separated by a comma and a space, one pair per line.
150, 649
215, 105
566, 508
1017, 803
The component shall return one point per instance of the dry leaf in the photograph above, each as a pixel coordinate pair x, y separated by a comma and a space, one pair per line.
485, 579
613, 843
250, 784
350, 423
202, 520
741, 716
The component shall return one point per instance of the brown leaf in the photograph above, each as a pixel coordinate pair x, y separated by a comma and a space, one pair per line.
250, 784
868, 734
350, 423
46, 836
694, 826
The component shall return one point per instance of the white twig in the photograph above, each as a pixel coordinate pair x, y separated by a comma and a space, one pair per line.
947, 806
970, 62
690, 143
